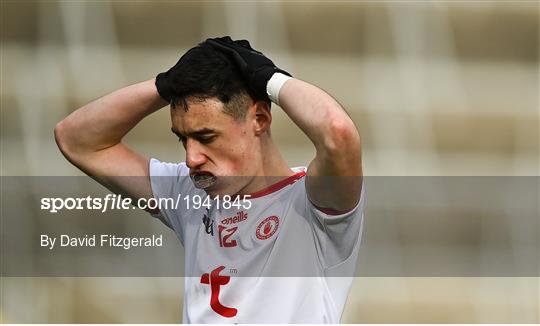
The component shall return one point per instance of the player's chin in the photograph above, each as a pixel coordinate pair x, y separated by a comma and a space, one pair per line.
221, 188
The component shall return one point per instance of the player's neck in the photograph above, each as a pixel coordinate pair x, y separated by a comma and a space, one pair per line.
272, 169
273, 164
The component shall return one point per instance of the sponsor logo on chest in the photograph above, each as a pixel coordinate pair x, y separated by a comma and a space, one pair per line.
239, 217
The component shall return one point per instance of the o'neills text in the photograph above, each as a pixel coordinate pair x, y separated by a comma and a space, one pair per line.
101, 240
239, 217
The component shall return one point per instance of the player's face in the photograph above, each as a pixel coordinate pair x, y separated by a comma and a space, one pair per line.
220, 151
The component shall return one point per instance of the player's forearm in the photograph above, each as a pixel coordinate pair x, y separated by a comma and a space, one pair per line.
320, 117
104, 122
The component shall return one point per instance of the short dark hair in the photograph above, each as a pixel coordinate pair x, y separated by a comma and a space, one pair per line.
203, 73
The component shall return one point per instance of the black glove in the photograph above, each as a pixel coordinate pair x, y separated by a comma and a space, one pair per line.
163, 84
256, 69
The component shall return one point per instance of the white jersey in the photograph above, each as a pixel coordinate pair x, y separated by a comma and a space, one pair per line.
281, 261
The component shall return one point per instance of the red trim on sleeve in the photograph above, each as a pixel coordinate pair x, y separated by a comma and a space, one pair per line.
279, 185
331, 211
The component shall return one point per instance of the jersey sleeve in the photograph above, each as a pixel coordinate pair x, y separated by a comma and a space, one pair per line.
338, 236
170, 181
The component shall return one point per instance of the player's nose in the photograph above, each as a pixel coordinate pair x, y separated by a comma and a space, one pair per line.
195, 156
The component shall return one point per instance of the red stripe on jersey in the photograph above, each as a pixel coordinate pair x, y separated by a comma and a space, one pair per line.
279, 185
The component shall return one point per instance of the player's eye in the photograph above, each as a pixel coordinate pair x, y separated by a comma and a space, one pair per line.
206, 139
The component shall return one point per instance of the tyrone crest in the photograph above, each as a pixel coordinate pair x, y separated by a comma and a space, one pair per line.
267, 227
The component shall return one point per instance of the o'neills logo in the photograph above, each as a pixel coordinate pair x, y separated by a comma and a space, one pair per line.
267, 228
239, 217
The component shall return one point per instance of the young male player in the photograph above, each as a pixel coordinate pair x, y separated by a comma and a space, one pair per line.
287, 251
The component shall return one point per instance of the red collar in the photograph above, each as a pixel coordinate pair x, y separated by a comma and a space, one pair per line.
278, 185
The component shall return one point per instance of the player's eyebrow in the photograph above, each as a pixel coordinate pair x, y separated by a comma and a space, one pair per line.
201, 132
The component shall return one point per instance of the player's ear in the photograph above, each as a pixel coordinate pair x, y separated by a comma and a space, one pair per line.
263, 117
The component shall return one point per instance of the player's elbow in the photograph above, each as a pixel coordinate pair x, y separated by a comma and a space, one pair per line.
64, 135
342, 136
60, 136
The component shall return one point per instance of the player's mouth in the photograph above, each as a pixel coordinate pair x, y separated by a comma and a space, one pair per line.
203, 180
